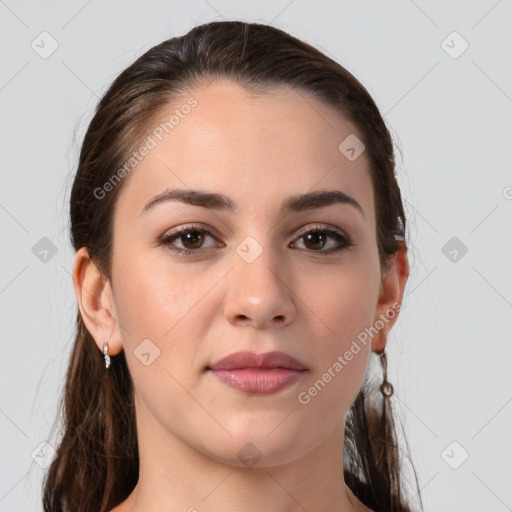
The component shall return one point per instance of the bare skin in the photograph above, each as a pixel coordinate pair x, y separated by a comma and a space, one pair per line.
294, 297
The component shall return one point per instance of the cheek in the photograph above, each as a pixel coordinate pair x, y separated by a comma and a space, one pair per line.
344, 299
345, 304
154, 297
160, 332
163, 311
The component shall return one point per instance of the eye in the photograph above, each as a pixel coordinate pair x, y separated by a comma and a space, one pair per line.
191, 237
317, 238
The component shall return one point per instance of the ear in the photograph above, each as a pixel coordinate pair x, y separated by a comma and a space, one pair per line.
391, 293
95, 301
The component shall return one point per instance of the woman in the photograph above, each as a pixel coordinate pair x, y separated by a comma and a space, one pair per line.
240, 254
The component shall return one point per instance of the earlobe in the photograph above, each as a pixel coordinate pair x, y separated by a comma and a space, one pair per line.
94, 296
390, 296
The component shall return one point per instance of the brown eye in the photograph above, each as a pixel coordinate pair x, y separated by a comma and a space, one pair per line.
316, 239
192, 239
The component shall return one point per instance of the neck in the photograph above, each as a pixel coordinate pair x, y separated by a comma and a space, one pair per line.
173, 476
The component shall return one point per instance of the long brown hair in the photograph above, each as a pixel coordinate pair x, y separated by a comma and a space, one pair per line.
96, 465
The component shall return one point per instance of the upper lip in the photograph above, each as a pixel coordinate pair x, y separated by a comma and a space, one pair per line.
245, 359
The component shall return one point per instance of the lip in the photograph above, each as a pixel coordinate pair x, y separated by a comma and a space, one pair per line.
246, 359
258, 373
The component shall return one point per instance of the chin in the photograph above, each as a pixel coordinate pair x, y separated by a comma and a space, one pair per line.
258, 446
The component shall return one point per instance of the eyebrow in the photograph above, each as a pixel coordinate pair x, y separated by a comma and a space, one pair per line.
216, 201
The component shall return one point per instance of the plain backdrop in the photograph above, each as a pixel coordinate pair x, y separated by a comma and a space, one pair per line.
440, 71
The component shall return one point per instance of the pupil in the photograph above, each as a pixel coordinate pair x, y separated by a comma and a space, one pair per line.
316, 238
193, 237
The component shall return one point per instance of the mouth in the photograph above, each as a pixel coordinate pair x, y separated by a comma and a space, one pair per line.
258, 374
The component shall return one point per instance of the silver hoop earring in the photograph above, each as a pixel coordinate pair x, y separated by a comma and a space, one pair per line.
105, 353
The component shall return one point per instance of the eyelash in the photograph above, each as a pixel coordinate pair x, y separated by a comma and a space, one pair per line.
341, 238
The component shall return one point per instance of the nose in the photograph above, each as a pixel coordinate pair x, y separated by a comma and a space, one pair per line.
259, 293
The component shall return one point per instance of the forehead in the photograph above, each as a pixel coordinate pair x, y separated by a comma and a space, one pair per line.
256, 148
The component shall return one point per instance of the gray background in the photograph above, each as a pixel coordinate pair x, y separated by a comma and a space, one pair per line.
450, 353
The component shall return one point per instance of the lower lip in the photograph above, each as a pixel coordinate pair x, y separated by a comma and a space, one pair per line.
257, 381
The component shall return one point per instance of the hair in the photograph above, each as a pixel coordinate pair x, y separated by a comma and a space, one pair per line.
96, 465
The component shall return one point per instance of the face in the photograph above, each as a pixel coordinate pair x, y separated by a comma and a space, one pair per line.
255, 277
